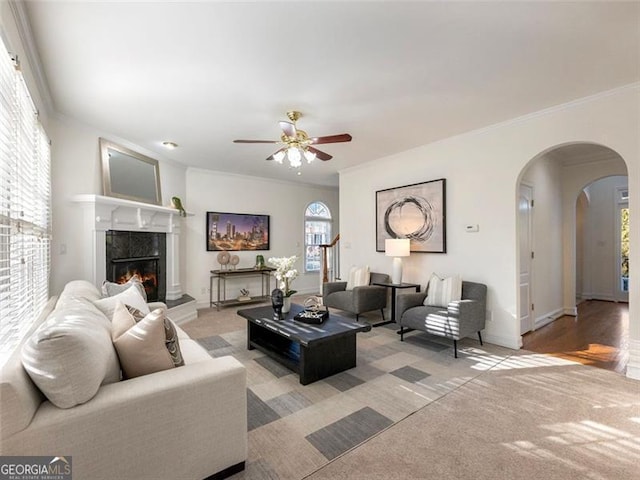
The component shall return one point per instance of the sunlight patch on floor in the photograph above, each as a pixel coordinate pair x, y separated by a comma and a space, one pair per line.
500, 362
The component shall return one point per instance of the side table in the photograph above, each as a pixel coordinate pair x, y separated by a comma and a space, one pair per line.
394, 287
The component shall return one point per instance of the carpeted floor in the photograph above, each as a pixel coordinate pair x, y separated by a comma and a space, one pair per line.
409, 410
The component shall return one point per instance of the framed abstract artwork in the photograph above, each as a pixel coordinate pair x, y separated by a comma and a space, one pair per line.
416, 212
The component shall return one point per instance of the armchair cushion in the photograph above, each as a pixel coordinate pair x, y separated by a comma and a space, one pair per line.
358, 277
443, 291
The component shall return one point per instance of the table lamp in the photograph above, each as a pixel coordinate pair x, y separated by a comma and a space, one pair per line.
396, 248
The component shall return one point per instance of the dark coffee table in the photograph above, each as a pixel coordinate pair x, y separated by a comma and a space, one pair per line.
313, 351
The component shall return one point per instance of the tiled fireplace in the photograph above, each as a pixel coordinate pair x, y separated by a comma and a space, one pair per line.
138, 253
145, 237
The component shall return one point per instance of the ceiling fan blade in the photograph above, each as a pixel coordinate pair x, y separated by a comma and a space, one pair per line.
289, 129
344, 137
255, 141
320, 154
270, 157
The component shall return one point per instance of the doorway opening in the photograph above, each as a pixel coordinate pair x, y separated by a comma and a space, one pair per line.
579, 249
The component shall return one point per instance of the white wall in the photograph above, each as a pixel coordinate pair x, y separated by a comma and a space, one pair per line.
284, 202
601, 239
483, 170
545, 175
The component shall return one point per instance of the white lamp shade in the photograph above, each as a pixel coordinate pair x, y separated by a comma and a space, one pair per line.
397, 247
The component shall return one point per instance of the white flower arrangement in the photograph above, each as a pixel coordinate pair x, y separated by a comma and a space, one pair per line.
285, 273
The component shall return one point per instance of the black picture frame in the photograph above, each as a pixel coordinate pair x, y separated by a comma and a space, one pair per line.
237, 232
416, 212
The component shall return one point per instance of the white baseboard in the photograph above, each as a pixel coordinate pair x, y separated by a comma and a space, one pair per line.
605, 297
549, 317
514, 343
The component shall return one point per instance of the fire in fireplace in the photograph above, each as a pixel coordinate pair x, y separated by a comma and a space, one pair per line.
138, 253
145, 268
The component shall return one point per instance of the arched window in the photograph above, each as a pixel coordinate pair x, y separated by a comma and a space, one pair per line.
317, 231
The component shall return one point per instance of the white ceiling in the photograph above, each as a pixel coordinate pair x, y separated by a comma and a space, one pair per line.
395, 75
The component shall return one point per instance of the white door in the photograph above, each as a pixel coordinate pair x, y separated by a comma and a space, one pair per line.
525, 205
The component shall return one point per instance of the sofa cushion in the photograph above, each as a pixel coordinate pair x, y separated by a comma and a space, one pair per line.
71, 354
109, 289
78, 288
442, 291
140, 345
358, 277
171, 340
131, 296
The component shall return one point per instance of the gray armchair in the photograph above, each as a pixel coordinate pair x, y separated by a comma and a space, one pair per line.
360, 299
458, 320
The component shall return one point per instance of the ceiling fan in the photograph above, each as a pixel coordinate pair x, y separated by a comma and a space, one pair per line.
296, 143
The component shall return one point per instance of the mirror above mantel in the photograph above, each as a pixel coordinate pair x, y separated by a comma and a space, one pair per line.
129, 175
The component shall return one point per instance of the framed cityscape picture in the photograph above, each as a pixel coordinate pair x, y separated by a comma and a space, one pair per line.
237, 231
416, 212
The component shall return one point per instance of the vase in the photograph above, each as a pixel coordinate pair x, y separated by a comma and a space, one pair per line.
286, 305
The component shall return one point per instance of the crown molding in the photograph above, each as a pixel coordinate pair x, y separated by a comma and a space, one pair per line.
21, 17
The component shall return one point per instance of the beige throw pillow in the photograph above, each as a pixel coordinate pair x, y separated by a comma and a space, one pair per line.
442, 291
140, 346
358, 277
131, 296
109, 289
171, 336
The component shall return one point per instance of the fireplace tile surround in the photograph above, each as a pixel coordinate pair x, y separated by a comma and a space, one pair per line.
103, 214
139, 253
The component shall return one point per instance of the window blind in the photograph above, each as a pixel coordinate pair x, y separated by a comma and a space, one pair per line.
25, 207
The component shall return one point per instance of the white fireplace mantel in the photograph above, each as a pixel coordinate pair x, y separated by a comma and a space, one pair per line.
107, 213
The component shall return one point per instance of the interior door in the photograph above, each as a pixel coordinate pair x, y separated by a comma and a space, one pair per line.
525, 205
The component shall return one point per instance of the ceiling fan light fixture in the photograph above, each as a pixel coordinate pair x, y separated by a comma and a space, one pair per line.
310, 156
295, 143
294, 156
279, 156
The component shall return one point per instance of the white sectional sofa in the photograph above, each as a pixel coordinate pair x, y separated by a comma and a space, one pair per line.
187, 422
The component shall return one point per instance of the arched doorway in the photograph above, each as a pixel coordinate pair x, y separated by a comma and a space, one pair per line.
558, 177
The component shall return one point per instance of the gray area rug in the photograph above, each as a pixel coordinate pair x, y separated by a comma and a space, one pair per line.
410, 410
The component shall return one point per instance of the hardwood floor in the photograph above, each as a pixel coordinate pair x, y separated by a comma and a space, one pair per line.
598, 336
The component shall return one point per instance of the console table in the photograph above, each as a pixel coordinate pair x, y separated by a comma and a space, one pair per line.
222, 275
394, 287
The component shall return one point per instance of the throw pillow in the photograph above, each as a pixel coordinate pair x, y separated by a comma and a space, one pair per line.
171, 336
140, 346
442, 291
131, 296
358, 277
71, 354
109, 289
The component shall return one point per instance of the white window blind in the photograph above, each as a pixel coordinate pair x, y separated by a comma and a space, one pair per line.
25, 207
